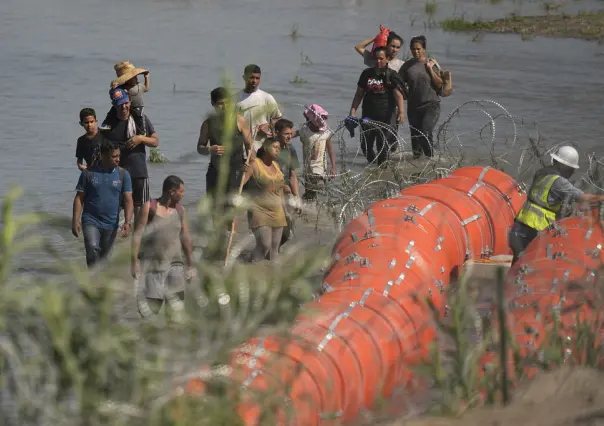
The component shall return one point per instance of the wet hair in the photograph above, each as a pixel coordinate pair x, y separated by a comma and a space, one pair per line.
170, 183
418, 39
282, 124
218, 94
394, 36
107, 147
251, 69
87, 112
380, 49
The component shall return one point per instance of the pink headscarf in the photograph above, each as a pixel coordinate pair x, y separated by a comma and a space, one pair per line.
317, 116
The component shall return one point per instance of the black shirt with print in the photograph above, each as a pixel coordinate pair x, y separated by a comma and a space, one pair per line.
85, 147
379, 85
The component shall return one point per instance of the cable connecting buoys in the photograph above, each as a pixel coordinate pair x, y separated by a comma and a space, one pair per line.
362, 339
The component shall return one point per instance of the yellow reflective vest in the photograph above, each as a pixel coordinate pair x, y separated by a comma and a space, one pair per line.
537, 213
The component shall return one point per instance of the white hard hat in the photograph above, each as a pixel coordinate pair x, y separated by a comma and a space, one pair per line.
568, 156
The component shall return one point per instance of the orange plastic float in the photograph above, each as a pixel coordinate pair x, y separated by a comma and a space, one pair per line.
451, 237
490, 200
364, 336
257, 354
363, 346
512, 192
551, 282
470, 213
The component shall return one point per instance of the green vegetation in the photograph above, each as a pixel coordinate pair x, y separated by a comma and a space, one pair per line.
430, 8
584, 25
74, 352
155, 156
304, 60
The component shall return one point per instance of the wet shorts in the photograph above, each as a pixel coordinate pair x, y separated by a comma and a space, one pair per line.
140, 191
159, 285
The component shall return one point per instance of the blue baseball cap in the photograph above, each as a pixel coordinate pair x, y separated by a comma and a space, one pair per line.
118, 96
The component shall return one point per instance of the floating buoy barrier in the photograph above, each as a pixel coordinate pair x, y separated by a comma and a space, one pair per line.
552, 289
361, 340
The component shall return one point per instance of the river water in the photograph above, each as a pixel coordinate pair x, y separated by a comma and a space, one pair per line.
58, 57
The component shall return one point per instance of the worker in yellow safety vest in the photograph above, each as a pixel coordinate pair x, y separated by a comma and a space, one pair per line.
549, 193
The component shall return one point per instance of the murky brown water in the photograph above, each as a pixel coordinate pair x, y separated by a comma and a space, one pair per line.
58, 56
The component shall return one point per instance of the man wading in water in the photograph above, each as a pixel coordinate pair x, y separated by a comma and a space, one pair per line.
123, 130
161, 249
99, 192
258, 107
211, 133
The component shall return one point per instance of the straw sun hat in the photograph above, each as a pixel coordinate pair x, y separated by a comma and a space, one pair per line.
125, 71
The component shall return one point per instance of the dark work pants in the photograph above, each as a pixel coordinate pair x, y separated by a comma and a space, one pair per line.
422, 122
382, 135
519, 238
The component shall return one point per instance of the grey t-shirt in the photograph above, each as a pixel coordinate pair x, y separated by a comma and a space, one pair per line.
564, 192
419, 83
137, 94
369, 60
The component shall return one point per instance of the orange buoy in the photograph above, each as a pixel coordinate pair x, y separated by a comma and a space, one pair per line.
471, 214
490, 200
344, 320
261, 353
512, 192
426, 213
341, 355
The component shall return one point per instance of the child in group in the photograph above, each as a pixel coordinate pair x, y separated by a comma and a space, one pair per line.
315, 136
127, 79
88, 144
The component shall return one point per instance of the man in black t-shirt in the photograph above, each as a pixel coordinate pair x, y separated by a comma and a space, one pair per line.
380, 90
121, 128
87, 143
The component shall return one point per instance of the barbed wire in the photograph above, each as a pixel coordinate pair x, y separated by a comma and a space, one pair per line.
476, 132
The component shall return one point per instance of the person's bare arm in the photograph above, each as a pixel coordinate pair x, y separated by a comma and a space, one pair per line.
80, 164
147, 82
437, 82
356, 101
332, 157
186, 241
360, 48
248, 172
204, 139
293, 178
590, 198
128, 212
244, 128
139, 228
78, 203
400, 102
